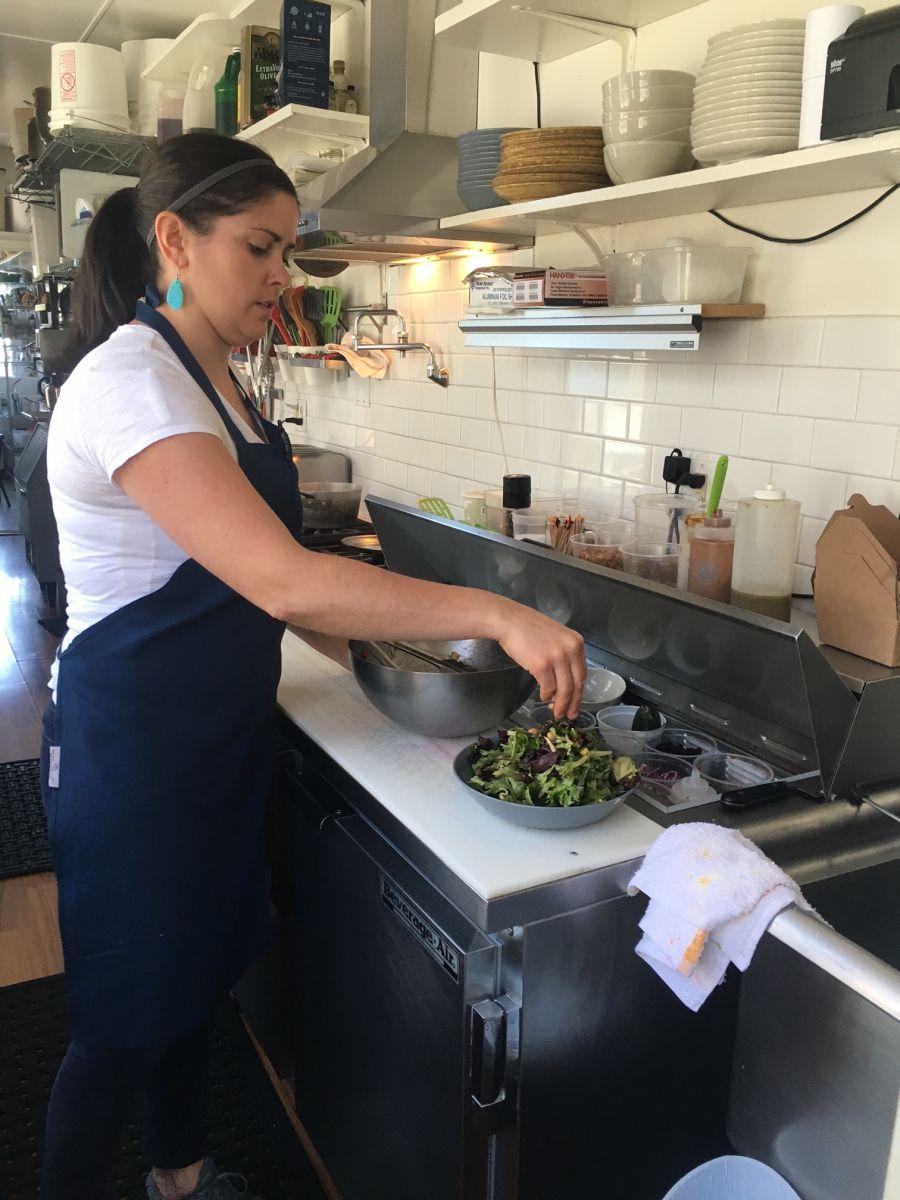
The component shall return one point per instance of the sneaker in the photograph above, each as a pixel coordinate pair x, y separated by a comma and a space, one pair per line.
212, 1185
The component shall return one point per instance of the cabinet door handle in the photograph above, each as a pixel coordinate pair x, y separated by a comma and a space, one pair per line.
488, 1067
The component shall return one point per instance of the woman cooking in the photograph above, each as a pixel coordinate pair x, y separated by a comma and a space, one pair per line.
178, 508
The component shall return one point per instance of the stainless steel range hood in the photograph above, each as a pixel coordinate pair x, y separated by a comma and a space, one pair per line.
386, 201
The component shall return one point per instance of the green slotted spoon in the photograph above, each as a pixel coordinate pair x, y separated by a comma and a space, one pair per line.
330, 299
437, 507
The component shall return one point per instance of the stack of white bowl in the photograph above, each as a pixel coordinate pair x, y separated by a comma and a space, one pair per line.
646, 124
747, 98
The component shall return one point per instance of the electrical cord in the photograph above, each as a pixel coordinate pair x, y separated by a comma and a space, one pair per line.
813, 237
537, 90
497, 410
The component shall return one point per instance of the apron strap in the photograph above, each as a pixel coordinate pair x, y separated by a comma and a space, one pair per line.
167, 331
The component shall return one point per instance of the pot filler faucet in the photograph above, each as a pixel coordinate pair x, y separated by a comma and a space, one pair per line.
403, 345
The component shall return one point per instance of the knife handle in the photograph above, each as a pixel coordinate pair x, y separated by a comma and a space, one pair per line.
760, 793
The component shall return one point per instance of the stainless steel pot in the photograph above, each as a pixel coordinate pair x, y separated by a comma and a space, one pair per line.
445, 704
330, 505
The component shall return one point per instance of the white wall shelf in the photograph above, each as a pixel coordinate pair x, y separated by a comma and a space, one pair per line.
627, 327
174, 64
516, 28
300, 127
856, 164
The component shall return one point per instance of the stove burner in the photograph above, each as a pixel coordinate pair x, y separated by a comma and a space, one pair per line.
328, 541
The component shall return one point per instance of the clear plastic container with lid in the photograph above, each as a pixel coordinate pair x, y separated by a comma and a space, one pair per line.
660, 516
767, 532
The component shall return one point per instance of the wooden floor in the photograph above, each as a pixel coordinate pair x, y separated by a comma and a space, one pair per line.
29, 933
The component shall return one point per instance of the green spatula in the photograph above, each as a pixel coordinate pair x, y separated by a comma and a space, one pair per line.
331, 298
717, 485
437, 507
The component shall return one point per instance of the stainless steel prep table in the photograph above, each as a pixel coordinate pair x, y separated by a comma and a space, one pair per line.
450, 1042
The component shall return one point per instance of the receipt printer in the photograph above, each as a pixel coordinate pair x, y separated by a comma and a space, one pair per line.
862, 77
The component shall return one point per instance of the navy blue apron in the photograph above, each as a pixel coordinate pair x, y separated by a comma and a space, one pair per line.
165, 722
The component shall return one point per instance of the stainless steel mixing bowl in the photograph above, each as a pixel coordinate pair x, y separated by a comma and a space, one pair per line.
445, 703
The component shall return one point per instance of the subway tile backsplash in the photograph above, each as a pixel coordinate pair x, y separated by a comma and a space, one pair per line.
812, 403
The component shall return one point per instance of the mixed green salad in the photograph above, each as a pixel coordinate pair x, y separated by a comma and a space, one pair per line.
552, 766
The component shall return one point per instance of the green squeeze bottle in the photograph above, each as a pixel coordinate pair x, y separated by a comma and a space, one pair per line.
227, 96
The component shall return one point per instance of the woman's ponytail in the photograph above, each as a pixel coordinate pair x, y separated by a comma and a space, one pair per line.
112, 274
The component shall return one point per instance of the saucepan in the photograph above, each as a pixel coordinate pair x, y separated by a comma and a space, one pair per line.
330, 505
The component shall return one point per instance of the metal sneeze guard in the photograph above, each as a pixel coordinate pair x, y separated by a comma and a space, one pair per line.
759, 684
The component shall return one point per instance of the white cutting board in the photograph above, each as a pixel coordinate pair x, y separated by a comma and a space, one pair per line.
413, 778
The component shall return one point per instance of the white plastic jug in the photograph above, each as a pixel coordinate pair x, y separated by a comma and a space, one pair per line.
87, 87
732, 1178
143, 94
200, 98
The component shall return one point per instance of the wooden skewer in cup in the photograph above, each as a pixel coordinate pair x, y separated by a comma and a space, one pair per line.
560, 532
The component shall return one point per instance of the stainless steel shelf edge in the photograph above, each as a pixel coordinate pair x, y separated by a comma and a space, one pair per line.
646, 327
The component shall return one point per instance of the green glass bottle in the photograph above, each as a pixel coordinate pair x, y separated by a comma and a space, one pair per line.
227, 96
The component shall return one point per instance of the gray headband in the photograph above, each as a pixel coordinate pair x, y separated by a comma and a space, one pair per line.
199, 188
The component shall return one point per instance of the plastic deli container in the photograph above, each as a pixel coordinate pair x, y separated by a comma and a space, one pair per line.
659, 774
679, 272
654, 561
726, 772
542, 713
473, 507
602, 544
615, 727
680, 743
529, 523
661, 516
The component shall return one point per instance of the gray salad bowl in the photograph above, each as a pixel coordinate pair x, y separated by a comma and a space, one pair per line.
529, 815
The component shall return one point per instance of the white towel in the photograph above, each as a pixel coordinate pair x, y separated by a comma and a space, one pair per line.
712, 896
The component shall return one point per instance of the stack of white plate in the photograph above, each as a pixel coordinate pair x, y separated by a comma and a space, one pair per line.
747, 98
646, 124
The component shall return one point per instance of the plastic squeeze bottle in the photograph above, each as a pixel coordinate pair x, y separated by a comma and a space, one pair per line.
711, 547
765, 549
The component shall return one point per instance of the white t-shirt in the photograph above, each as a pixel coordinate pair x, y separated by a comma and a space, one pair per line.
121, 398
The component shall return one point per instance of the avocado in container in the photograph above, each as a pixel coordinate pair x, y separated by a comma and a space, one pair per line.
616, 725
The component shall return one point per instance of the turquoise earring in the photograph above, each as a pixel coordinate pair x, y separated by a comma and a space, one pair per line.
175, 292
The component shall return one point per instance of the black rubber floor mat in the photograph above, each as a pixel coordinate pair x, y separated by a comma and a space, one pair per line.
248, 1129
23, 823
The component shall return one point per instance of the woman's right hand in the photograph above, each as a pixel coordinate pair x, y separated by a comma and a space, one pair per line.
552, 653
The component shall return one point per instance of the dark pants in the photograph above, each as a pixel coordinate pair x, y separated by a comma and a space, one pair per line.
90, 1099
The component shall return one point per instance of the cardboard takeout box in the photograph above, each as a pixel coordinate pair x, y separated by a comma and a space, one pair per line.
856, 582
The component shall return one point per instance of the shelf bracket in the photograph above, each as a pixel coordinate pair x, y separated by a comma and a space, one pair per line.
625, 36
